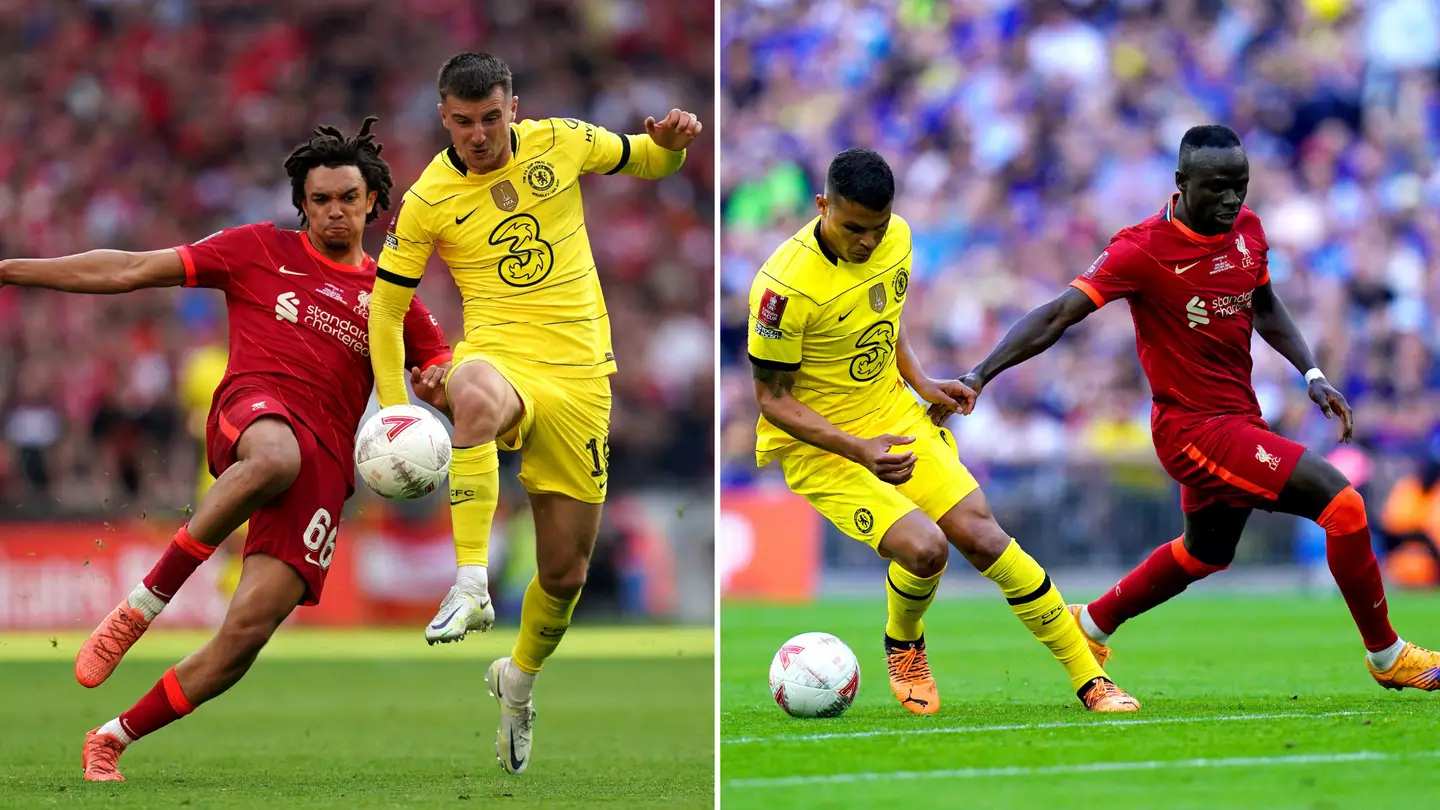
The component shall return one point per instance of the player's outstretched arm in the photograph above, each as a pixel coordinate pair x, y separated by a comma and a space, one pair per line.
660, 152
780, 407
98, 272
1037, 331
1273, 322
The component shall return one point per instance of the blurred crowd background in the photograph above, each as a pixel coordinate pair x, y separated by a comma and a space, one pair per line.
140, 125
1023, 134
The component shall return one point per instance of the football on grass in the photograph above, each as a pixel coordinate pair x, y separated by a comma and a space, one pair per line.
403, 452
814, 675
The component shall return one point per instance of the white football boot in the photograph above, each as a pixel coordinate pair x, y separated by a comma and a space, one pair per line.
461, 612
512, 740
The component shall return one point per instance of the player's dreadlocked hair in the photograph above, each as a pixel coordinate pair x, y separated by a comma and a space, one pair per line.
328, 148
861, 176
1207, 136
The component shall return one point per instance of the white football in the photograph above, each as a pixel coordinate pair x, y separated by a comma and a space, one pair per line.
814, 675
403, 452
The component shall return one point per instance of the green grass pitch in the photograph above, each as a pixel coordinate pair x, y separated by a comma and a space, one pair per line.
1248, 702
374, 719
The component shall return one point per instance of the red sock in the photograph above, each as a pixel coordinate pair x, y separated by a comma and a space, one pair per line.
1356, 571
181, 558
161, 706
1166, 572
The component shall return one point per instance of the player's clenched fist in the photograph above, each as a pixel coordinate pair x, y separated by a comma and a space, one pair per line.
675, 131
875, 456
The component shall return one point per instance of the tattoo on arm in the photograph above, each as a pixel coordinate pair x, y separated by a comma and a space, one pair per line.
777, 381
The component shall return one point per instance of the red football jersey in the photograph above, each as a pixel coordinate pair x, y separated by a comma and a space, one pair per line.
1190, 297
299, 324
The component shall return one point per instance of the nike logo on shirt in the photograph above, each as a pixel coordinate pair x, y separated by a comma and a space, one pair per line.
1179, 269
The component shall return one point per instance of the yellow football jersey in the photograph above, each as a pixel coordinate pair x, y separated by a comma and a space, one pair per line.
836, 325
516, 245
202, 373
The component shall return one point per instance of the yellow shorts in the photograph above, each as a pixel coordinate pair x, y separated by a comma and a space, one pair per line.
564, 436
864, 507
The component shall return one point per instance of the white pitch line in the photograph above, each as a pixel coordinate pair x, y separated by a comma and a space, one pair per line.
1151, 721
1089, 767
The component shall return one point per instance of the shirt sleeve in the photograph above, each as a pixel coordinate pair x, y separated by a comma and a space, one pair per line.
1115, 273
604, 152
408, 245
425, 344
778, 317
212, 261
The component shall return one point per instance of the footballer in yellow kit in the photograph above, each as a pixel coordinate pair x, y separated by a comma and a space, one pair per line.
831, 363
501, 206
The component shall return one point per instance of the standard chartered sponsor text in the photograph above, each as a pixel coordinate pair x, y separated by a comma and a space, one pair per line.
346, 331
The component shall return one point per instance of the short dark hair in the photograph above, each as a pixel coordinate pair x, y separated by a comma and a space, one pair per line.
1206, 136
472, 75
861, 176
328, 148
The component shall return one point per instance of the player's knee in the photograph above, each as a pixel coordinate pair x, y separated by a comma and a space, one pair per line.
563, 583
276, 470
1214, 552
1345, 514
921, 549
271, 456
476, 406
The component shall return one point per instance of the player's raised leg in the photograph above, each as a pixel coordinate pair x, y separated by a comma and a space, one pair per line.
269, 589
1318, 491
485, 406
1035, 600
267, 462
1207, 547
917, 552
565, 533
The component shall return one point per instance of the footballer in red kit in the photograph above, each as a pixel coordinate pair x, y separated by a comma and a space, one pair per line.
282, 423
299, 352
1196, 276
1193, 304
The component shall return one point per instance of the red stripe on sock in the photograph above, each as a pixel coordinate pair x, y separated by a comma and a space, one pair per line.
176, 564
175, 694
1194, 567
191, 546
1157, 579
156, 709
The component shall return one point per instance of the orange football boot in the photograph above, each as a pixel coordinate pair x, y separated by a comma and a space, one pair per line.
1102, 695
1100, 651
99, 758
910, 678
102, 651
1416, 668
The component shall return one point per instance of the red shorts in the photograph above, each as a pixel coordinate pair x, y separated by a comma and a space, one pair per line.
300, 525
1231, 460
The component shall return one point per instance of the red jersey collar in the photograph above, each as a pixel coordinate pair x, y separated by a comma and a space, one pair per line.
329, 262
1169, 216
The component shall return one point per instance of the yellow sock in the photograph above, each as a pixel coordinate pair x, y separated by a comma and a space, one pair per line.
907, 597
1037, 602
543, 621
474, 492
